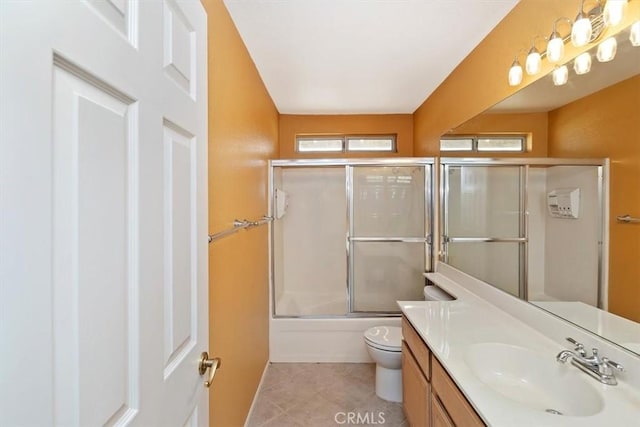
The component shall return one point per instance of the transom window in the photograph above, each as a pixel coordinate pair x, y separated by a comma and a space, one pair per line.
345, 143
480, 143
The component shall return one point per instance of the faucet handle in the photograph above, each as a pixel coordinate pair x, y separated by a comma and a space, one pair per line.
605, 368
611, 364
579, 347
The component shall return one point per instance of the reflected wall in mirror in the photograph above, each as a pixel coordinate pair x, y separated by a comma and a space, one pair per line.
596, 115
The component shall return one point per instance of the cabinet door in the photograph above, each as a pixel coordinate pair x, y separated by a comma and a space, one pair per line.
415, 390
459, 409
439, 417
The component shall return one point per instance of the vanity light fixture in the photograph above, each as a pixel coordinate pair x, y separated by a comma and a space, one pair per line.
587, 28
582, 63
555, 46
560, 75
534, 58
634, 36
534, 62
515, 72
607, 50
582, 28
614, 11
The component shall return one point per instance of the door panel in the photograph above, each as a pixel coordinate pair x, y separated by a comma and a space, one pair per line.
388, 201
180, 233
385, 272
483, 201
388, 236
496, 263
179, 47
94, 228
104, 213
121, 14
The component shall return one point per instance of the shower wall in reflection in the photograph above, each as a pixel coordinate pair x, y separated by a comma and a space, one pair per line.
350, 237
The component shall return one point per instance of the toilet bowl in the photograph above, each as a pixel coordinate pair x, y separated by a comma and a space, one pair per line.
384, 344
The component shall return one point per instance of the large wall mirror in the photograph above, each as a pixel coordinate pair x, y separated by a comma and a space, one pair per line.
570, 271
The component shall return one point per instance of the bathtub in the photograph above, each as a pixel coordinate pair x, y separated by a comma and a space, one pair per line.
329, 339
338, 340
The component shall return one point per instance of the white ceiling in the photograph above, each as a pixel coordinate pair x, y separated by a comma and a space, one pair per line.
360, 56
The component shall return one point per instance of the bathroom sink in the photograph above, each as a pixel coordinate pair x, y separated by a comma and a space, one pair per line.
534, 380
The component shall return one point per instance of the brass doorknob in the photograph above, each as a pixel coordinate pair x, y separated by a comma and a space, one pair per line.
206, 363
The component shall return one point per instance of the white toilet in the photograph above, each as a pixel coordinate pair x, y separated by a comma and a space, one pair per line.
384, 344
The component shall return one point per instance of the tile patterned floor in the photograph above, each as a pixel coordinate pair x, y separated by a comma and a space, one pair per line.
322, 395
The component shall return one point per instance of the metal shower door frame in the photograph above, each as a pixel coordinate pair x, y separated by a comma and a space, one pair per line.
428, 163
524, 163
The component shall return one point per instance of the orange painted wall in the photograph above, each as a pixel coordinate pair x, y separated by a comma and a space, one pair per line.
532, 124
243, 135
606, 124
480, 80
400, 124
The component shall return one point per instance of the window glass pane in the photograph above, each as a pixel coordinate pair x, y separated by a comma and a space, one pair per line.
501, 144
371, 144
457, 144
319, 145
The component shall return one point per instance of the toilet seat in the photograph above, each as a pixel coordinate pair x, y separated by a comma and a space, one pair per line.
386, 338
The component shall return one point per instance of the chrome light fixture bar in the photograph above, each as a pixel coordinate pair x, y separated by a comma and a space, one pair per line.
587, 27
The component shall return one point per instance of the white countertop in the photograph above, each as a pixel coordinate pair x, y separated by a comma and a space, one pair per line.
450, 328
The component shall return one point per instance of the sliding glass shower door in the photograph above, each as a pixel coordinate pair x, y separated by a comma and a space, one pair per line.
350, 237
483, 222
387, 236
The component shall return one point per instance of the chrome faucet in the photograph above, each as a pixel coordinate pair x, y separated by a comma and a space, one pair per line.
599, 368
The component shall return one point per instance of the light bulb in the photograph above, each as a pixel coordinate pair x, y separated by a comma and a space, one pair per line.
560, 75
634, 37
515, 74
582, 63
555, 48
607, 50
533, 63
613, 11
581, 31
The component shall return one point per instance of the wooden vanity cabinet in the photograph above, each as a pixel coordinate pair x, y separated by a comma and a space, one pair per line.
416, 391
452, 400
439, 416
430, 397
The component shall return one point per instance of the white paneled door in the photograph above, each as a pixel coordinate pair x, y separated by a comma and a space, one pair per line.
103, 246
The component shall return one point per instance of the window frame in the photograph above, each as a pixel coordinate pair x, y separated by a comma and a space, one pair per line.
317, 138
474, 144
345, 138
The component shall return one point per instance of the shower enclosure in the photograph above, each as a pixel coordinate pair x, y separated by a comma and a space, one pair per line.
350, 237
501, 223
